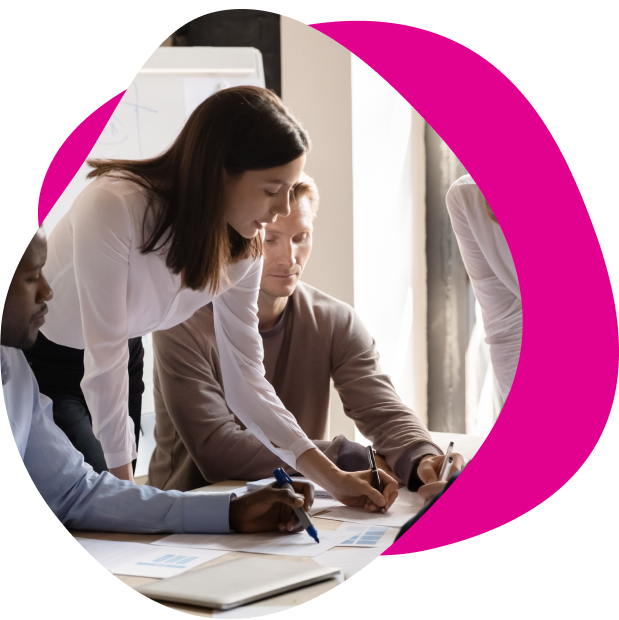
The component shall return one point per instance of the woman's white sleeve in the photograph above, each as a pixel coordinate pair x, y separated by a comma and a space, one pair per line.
501, 309
102, 238
248, 394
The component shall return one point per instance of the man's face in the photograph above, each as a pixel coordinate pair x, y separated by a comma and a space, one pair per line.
25, 307
288, 244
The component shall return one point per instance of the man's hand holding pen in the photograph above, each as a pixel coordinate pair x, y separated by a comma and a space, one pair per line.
270, 509
429, 472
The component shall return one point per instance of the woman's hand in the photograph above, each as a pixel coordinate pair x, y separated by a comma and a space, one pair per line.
270, 509
124, 472
429, 470
350, 488
355, 489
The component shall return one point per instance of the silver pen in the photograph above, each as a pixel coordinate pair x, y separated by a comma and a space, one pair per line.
445, 474
444, 467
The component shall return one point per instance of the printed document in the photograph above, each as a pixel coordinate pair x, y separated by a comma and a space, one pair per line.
273, 543
368, 536
406, 506
164, 563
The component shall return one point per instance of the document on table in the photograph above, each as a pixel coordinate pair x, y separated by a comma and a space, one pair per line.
321, 504
272, 543
163, 563
260, 484
404, 508
368, 536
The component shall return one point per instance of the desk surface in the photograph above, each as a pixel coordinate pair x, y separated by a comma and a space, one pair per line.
333, 596
465, 444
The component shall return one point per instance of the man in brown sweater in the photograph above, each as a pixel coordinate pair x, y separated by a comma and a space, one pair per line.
309, 338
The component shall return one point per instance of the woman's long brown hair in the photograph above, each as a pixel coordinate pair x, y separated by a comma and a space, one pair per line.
237, 129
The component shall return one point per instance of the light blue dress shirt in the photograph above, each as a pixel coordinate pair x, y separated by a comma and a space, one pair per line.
76, 494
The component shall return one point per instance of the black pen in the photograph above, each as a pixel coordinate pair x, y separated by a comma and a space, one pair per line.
376, 484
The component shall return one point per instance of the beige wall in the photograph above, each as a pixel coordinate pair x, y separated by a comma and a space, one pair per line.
369, 240
316, 86
420, 272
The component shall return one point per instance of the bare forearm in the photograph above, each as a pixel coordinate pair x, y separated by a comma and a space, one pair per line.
124, 472
313, 464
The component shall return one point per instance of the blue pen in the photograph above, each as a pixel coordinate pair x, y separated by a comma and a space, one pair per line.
285, 482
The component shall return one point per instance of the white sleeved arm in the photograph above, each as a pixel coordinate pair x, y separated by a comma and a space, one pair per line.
501, 309
248, 394
102, 238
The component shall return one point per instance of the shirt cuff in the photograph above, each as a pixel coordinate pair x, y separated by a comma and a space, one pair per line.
406, 466
301, 445
207, 513
116, 459
352, 456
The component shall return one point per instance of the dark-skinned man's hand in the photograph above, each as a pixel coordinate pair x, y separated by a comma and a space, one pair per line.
270, 509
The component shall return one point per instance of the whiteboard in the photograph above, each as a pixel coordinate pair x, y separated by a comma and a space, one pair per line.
173, 82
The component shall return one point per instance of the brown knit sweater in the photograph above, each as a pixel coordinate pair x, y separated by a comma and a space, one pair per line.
319, 338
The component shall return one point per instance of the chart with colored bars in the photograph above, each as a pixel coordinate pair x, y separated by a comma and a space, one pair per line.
364, 536
170, 560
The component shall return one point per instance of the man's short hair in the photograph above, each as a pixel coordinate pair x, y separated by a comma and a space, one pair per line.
306, 186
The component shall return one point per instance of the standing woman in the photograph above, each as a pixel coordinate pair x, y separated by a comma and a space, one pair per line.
491, 269
143, 247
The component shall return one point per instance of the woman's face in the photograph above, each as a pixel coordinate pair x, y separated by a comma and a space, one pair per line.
255, 198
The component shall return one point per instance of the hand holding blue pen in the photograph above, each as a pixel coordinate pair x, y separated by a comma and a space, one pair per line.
285, 482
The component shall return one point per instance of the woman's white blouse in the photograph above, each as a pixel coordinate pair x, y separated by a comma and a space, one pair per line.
491, 269
106, 291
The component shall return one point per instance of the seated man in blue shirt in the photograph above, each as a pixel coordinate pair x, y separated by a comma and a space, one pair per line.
81, 498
